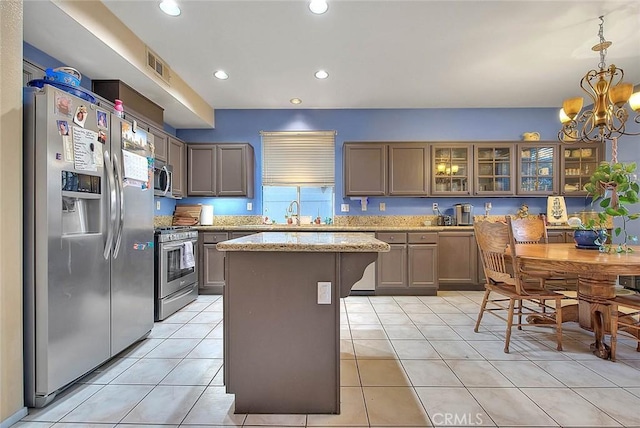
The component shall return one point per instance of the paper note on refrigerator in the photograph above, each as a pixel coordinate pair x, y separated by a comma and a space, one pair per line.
135, 166
84, 146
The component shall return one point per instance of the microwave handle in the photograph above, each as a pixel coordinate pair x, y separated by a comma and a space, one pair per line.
168, 186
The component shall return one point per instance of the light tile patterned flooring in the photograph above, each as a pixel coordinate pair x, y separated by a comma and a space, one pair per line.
405, 361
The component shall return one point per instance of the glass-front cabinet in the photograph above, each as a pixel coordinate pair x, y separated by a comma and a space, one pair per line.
493, 168
537, 173
451, 169
577, 165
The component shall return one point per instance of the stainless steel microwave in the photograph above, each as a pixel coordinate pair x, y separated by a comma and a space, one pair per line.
162, 179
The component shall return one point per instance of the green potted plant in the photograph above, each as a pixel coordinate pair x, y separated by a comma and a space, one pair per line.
613, 186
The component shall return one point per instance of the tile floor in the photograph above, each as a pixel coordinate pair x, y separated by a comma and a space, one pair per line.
405, 361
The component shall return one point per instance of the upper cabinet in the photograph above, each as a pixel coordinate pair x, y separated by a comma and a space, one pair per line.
365, 169
386, 169
220, 170
451, 169
176, 157
578, 161
504, 168
408, 169
537, 169
494, 168
161, 143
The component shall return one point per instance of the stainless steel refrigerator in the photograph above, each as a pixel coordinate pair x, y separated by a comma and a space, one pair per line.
88, 247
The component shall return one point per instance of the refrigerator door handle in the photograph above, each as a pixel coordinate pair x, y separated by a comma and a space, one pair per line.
120, 187
108, 168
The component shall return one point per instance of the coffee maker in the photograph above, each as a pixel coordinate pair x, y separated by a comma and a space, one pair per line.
464, 214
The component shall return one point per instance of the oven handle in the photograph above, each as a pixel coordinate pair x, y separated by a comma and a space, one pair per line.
174, 246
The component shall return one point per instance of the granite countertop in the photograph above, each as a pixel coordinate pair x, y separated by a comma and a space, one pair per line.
333, 228
306, 242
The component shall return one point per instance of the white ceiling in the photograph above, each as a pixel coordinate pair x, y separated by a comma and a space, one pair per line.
379, 54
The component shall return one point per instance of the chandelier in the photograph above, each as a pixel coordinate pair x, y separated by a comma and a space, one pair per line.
608, 115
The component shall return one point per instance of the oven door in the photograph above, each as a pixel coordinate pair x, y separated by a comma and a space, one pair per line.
172, 277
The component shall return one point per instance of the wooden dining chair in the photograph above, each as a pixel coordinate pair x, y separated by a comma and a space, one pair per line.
533, 230
625, 316
505, 281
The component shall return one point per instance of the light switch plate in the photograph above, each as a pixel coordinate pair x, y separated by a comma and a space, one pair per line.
344, 208
158, 205
383, 206
324, 293
249, 206
435, 206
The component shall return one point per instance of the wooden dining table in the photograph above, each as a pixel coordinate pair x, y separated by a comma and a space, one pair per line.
597, 274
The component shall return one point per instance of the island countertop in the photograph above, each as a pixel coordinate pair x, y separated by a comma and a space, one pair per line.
343, 242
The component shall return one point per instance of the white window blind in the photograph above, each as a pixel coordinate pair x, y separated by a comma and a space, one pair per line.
298, 158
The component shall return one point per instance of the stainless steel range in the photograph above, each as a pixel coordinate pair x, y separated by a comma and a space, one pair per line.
176, 278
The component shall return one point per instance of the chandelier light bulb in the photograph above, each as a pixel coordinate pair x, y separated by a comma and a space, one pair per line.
563, 117
634, 101
170, 7
318, 6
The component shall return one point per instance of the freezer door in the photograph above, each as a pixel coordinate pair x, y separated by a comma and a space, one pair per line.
66, 274
132, 257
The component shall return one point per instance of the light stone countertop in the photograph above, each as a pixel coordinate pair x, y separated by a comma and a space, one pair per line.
337, 242
333, 228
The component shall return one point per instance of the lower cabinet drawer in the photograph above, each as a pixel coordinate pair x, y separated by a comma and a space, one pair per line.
423, 238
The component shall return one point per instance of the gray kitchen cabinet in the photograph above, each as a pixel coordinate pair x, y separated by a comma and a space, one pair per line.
457, 259
408, 169
577, 163
537, 169
212, 263
176, 157
365, 169
201, 179
392, 266
410, 266
220, 170
381, 169
554, 236
494, 167
422, 252
234, 170
160, 142
451, 169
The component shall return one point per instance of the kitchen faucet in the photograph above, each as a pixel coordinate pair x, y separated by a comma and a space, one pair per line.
297, 214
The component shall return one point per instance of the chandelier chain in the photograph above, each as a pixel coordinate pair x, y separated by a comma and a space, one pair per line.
603, 49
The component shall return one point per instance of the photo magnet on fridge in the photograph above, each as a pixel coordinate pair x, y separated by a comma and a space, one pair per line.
81, 116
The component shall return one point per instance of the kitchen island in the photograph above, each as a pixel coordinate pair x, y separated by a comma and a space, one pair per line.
282, 317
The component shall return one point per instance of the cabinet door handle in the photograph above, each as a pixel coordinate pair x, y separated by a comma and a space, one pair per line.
391, 239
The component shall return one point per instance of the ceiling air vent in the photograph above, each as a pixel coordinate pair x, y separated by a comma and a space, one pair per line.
158, 66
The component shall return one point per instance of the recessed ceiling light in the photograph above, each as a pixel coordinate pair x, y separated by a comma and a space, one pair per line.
295, 101
318, 6
170, 7
321, 74
221, 74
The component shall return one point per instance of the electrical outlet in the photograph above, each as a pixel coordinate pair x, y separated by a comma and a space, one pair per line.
158, 205
249, 206
344, 208
487, 206
383, 206
324, 293
435, 206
